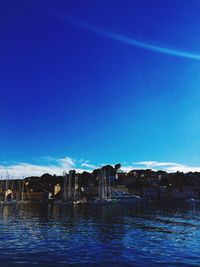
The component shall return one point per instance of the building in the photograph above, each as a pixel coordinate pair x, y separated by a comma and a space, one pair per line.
185, 192
150, 192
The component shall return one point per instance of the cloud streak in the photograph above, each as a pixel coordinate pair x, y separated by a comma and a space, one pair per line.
127, 40
166, 166
52, 166
58, 165
88, 165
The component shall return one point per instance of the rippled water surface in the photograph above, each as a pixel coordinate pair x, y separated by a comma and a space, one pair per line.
120, 235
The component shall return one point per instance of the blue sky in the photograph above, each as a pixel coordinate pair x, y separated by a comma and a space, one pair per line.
94, 82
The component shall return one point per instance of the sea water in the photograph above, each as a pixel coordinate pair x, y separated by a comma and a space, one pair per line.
147, 234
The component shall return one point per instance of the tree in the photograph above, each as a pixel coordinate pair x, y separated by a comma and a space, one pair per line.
117, 167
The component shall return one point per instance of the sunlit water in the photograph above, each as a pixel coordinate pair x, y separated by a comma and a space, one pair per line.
117, 235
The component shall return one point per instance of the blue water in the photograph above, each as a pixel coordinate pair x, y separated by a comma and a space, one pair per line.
153, 234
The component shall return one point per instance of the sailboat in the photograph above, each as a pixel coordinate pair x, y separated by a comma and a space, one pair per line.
76, 198
64, 191
105, 196
69, 194
108, 195
125, 197
8, 192
22, 198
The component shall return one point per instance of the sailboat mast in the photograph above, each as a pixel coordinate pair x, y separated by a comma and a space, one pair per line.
105, 184
64, 185
7, 185
22, 191
109, 187
75, 186
69, 185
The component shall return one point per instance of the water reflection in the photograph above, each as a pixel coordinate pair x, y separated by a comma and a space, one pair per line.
53, 235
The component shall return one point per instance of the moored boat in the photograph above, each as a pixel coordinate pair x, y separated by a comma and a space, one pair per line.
125, 197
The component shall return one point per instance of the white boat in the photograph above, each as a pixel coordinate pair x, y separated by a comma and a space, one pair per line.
79, 201
108, 195
105, 201
193, 200
125, 197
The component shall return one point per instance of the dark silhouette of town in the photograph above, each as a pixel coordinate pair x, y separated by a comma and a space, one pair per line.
146, 183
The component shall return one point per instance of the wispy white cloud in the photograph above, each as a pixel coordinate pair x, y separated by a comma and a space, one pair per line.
52, 166
67, 162
88, 165
128, 168
166, 166
183, 168
156, 163
58, 165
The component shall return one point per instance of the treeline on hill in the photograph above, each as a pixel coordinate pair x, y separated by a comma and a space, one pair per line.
133, 178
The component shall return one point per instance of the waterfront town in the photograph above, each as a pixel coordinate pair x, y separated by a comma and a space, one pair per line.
144, 183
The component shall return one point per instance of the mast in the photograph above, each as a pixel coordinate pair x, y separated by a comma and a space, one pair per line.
1, 183
69, 186
109, 187
64, 185
105, 184
7, 185
22, 191
12, 188
99, 176
101, 185
75, 186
